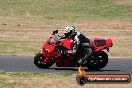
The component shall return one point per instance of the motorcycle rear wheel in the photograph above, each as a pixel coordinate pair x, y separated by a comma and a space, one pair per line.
38, 61
100, 61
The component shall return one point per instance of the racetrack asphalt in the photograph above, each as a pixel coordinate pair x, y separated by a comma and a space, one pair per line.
25, 64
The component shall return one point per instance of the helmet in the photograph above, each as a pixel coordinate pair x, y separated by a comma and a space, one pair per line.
69, 29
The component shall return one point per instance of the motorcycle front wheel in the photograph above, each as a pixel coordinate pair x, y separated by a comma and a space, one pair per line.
39, 61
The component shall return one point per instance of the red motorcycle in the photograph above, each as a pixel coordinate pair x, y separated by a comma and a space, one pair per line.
55, 50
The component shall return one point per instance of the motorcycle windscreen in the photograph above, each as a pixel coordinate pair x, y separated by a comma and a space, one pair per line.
54, 40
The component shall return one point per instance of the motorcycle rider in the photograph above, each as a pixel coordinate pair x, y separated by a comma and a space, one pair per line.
79, 41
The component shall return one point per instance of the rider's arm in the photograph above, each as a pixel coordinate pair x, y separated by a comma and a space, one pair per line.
76, 43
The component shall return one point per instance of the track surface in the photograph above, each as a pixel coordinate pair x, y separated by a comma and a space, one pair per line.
25, 64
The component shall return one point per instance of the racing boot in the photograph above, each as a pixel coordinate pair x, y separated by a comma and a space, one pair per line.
83, 60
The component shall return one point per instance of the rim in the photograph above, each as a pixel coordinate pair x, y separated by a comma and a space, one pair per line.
40, 60
97, 61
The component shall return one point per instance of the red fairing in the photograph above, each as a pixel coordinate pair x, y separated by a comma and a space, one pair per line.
49, 47
68, 43
42, 52
65, 63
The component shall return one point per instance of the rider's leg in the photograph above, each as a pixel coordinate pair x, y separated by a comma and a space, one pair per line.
87, 53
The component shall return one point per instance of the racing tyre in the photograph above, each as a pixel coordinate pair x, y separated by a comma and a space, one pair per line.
39, 61
100, 61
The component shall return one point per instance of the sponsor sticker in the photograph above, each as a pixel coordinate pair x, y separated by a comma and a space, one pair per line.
83, 78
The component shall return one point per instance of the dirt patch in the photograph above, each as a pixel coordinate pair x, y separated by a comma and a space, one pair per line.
123, 2
28, 23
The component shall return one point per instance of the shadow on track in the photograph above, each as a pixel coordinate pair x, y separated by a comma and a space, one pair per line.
75, 69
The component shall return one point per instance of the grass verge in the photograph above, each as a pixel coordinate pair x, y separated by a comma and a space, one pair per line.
47, 80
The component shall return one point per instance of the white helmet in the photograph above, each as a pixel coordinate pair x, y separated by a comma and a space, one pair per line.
69, 29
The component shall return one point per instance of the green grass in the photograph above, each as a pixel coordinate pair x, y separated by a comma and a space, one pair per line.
66, 9
19, 48
32, 74
28, 79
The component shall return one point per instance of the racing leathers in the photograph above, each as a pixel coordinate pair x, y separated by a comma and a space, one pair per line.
80, 41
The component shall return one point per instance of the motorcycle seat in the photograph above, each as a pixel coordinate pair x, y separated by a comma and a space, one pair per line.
100, 42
